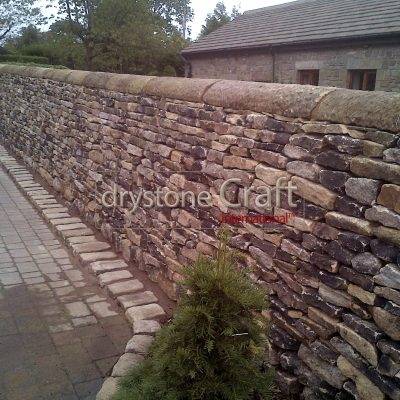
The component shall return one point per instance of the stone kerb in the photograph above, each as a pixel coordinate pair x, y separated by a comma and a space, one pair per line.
379, 110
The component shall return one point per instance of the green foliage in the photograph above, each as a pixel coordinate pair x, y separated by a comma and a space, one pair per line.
23, 59
218, 18
125, 36
214, 348
31, 64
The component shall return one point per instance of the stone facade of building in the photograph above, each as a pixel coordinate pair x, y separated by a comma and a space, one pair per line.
332, 62
331, 270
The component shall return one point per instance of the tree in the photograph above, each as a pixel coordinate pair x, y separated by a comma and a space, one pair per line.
218, 18
130, 36
176, 13
15, 14
214, 348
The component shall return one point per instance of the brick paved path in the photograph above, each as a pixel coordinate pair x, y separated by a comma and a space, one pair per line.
58, 335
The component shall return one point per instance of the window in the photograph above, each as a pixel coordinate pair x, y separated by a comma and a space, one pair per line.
363, 79
309, 77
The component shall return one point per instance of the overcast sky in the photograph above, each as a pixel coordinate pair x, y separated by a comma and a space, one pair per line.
204, 7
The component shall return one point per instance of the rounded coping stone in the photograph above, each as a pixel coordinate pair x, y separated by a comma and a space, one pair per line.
97, 79
379, 110
77, 77
59, 75
35, 72
125, 83
179, 88
274, 98
13, 69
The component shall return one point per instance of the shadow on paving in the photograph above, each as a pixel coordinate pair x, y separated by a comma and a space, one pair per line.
36, 363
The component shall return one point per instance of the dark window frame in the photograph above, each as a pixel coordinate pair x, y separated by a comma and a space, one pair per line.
308, 77
368, 79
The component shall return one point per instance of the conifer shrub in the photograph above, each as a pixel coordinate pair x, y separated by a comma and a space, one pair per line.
214, 347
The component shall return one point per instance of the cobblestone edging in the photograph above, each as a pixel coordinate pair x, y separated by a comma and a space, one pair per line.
140, 306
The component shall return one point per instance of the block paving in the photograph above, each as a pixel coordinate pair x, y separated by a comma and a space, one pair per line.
61, 333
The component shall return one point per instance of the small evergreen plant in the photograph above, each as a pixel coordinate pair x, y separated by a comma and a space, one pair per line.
214, 348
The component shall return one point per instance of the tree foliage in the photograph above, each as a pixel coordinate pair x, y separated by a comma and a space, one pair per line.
131, 36
218, 18
214, 348
15, 14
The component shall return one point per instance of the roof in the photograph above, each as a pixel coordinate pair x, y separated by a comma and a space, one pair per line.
304, 21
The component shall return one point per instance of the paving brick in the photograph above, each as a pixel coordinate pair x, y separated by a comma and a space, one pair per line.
102, 309
78, 309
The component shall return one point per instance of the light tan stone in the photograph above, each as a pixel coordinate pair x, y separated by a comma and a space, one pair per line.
365, 348
365, 387
148, 311
239, 162
388, 322
361, 294
314, 192
352, 224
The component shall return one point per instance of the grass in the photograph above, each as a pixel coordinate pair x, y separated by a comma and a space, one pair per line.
29, 64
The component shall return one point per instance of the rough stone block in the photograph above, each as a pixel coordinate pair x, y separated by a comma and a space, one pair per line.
126, 362
364, 386
321, 368
370, 168
139, 344
136, 299
390, 197
148, 311
87, 258
314, 193
388, 322
271, 175
366, 263
100, 267
361, 294
108, 390
364, 190
365, 348
125, 287
389, 276
144, 326
384, 216
113, 276
352, 224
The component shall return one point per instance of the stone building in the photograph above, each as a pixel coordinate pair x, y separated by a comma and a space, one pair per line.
344, 43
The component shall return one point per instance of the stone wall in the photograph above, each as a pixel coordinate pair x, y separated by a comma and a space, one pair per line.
332, 271
333, 63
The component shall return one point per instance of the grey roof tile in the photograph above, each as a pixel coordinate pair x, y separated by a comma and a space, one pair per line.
304, 21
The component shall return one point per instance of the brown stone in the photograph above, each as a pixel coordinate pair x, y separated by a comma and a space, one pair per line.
361, 294
239, 162
375, 169
315, 193
390, 197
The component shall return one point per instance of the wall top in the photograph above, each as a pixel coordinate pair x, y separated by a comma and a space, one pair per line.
379, 110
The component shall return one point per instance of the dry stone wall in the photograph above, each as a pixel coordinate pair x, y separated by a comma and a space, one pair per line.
331, 270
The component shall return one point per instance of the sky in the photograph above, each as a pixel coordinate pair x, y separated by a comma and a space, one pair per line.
204, 7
